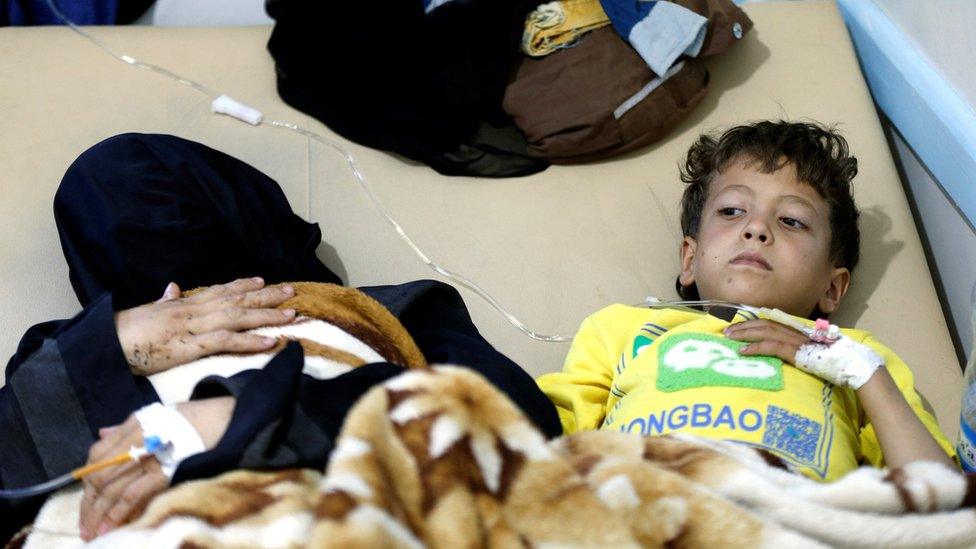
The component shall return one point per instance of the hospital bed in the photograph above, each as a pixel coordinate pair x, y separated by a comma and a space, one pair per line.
551, 248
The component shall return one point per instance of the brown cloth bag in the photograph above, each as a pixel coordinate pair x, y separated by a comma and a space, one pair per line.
599, 99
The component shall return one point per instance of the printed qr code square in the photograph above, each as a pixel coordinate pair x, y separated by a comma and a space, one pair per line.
791, 433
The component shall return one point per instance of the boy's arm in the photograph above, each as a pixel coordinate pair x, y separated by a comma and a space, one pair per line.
581, 390
878, 436
898, 423
901, 434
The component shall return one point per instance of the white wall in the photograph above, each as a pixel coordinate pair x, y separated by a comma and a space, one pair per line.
168, 13
949, 241
943, 31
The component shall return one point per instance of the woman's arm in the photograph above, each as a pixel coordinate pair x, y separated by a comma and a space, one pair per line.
113, 495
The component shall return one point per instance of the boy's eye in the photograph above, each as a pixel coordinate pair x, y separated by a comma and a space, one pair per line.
791, 222
730, 211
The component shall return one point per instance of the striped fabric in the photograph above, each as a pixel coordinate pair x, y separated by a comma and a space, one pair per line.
338, 328
438, 458
660, 31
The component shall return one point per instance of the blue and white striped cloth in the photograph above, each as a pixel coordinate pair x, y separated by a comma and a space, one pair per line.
660, 31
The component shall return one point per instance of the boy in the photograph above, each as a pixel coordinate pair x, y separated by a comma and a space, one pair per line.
769, 221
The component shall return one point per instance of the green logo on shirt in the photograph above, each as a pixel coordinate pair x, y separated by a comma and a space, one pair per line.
691, 360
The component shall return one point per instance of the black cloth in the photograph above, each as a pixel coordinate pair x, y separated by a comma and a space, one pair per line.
67, 379
387, 75
130, 10
80, 12
135, 212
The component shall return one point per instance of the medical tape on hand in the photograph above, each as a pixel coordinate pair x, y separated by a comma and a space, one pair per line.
843, 362
179, 439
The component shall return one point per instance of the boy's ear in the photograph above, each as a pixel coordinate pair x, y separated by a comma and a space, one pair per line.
688, 248
840, 281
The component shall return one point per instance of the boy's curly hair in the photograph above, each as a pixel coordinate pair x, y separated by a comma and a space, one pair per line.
820, 156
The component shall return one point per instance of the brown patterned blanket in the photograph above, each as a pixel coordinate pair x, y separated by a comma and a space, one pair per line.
437, 457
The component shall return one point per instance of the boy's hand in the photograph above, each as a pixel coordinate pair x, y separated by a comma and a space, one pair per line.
768, 338
114, 495
844, 362
176, 329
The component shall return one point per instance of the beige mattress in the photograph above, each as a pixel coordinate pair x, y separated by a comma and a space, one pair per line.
552, 247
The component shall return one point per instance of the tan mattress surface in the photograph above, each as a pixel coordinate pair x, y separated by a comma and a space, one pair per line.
552, 247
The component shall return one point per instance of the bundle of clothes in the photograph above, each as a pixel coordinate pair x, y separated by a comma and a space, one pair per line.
438, 457
499, 88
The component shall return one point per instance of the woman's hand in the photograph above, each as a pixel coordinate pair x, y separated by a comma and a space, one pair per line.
176, 330
115, 495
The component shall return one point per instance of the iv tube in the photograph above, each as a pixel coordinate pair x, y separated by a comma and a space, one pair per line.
71, 476
456, 277
651, 302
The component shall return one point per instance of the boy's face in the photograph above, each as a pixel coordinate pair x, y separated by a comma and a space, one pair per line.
764, 240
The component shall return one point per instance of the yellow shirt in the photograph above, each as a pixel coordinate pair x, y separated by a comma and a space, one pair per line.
656, 371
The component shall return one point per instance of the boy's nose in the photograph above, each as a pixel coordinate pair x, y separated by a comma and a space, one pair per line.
758, 227
760, 235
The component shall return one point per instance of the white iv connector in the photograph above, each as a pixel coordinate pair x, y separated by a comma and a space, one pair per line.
232, 107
